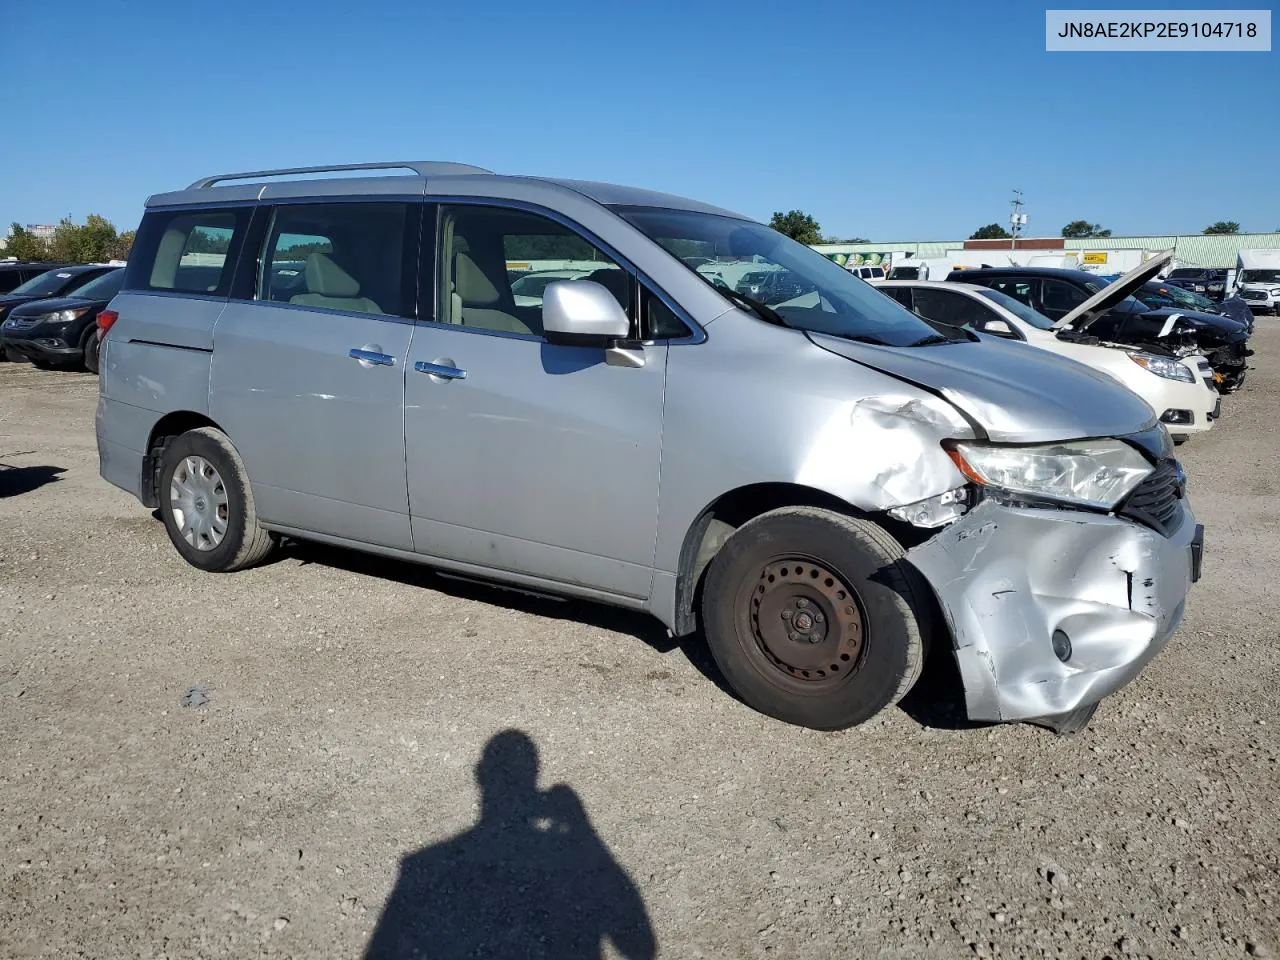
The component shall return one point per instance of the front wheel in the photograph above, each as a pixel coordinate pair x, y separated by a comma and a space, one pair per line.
90, 349
816, 618
207, 504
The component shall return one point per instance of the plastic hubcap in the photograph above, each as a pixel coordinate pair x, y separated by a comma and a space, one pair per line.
806, 620
198, 500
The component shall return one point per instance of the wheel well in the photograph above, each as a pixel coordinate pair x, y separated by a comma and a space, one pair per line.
720, 519
167, 428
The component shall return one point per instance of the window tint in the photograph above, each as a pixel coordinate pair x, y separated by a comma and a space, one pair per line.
185, 251
339, 256
954, 309
477, 248
1012, 287
102, 288
661, 321
1060, 297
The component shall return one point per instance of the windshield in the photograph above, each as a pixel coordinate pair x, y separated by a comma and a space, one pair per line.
805, 289
1017, 308
103, 288
49, 284
1153, 293
1185, 273
1260, 276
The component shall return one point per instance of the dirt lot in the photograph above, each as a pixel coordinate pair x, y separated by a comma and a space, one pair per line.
353, 708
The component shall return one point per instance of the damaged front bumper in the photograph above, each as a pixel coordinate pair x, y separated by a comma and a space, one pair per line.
1010, 578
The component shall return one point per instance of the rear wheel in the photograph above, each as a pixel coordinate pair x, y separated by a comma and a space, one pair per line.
207, 504
815, 618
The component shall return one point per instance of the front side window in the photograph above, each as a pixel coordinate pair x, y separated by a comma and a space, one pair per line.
351, 257
477, 246
805, 289
186, 252
1018, 308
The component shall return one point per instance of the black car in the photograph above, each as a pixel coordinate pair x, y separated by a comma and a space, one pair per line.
1075, 299
61, 331
14, 273
1210, 282
55, 282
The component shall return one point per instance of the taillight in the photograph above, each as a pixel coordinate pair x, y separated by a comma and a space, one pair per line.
105, 319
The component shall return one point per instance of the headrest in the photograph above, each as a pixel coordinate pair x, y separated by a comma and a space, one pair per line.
328, 279
615, 281
470, 283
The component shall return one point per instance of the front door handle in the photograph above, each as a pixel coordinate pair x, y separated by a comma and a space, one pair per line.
442, 369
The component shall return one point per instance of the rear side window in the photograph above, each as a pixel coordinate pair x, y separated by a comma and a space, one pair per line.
186, 251
1012, 287
356, 257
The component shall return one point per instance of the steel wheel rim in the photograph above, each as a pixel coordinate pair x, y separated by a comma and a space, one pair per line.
198, 501
807, 623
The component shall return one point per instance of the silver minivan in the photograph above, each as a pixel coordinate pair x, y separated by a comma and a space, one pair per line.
824, 486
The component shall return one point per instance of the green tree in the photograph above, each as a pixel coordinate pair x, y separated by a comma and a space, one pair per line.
25, 245
121, 247
1223, 226
834, 239
797, 225
992, 231
89, 242
1083, 229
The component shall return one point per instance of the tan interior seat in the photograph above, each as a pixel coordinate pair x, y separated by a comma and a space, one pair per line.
328, 285
475, 298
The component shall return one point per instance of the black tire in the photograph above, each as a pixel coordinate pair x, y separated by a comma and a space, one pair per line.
863, 662
90, 349
244, 542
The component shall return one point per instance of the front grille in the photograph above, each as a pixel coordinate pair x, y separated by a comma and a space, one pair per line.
1253, 295
19, 323
1157, 502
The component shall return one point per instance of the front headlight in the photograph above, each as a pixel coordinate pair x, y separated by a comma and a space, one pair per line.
61, 316
1165, 367
1275, 293
1092, 473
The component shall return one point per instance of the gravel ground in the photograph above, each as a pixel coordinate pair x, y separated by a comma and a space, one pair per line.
342, 707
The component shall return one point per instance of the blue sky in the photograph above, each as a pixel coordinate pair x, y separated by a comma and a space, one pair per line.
890, 121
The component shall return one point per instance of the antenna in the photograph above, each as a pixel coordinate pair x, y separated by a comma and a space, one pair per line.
1017, 219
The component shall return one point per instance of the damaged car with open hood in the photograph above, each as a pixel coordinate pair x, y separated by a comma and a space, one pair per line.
826, 485
1086, 308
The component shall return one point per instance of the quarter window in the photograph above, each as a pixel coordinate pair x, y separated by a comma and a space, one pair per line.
186, 252
480, 246
339, 256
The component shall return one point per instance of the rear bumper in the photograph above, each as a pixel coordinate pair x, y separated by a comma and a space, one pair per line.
1009, 578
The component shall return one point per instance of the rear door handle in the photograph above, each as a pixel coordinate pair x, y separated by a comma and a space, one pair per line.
443, 369
371, 357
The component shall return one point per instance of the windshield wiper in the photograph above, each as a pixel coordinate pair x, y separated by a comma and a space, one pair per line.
762, 310
930, 340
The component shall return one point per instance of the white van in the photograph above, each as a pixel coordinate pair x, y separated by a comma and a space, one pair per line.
1258, 280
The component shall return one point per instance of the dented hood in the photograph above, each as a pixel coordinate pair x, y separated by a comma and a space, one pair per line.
1015, 393
1082, 316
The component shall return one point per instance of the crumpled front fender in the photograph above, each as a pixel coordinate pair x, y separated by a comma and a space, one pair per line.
1007, 578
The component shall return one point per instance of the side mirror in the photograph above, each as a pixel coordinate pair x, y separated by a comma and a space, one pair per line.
582, 313
1000, 328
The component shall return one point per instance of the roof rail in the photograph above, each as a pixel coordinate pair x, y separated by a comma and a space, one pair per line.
423, 168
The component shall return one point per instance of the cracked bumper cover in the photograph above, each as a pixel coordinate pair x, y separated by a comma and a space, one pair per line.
1007, 578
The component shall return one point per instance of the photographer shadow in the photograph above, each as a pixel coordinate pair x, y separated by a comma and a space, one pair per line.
530, 879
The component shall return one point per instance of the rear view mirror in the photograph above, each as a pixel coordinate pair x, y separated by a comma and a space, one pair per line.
1000, 328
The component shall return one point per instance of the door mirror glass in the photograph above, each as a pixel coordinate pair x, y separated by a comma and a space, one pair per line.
1000, 328
582, 312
